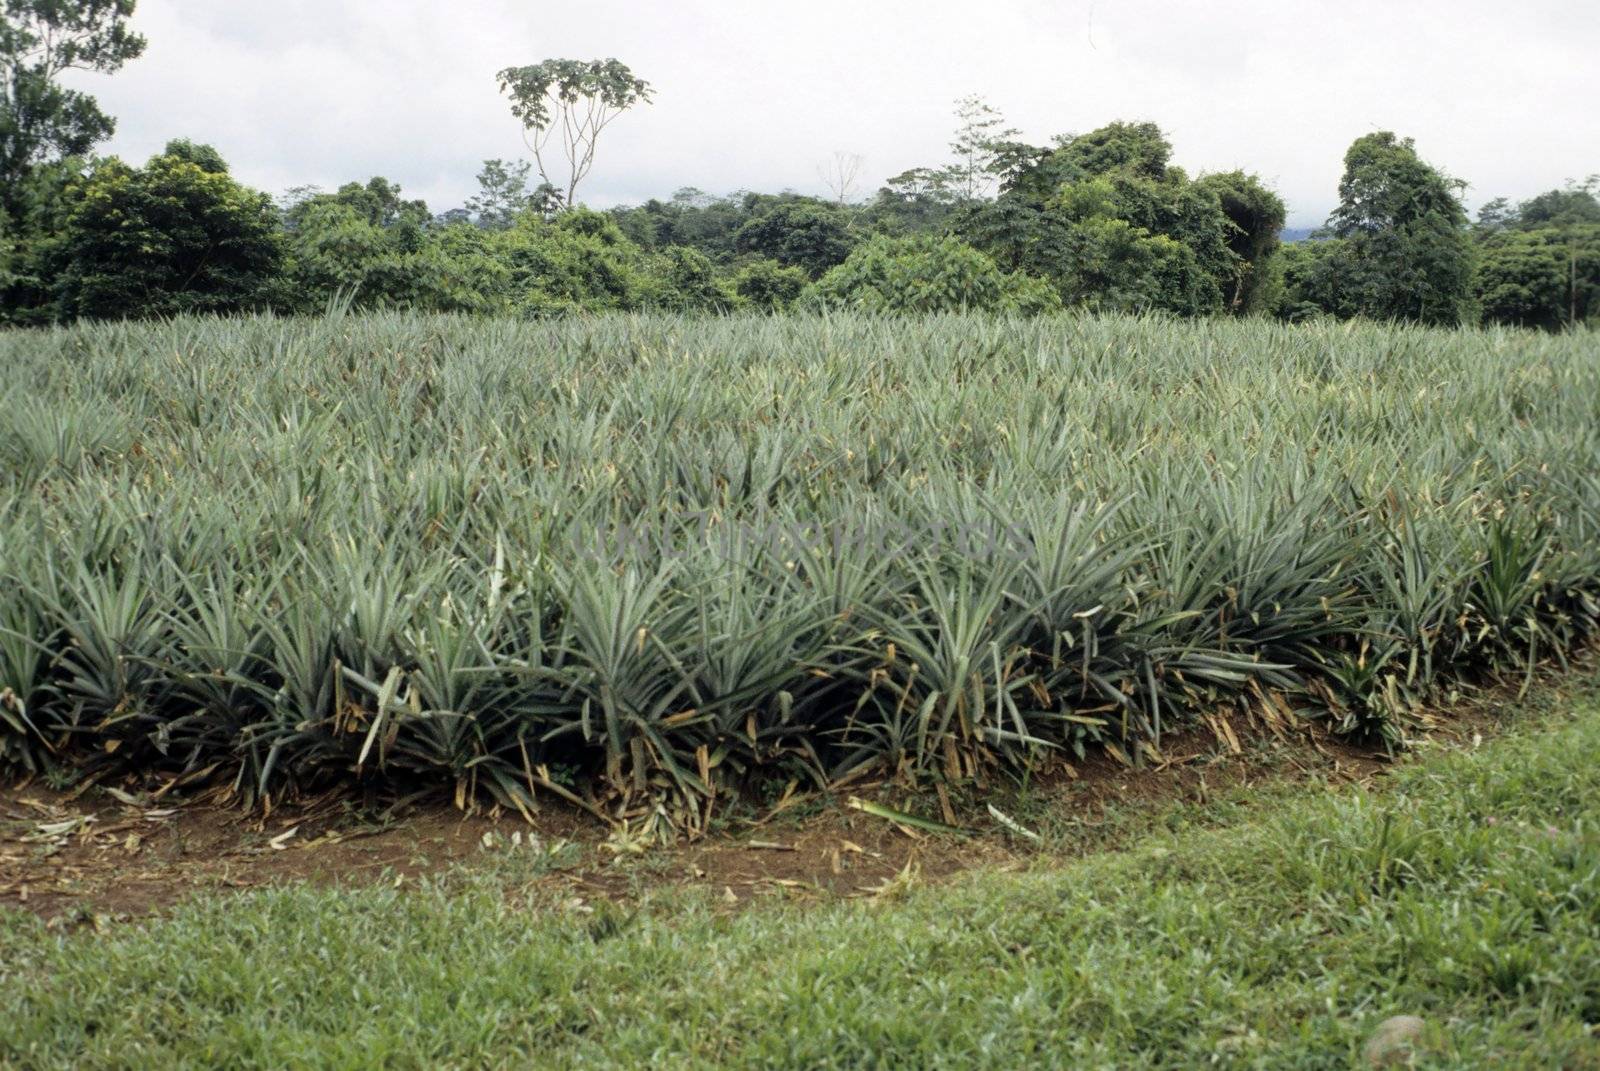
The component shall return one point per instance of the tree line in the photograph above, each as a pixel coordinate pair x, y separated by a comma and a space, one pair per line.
1098, 221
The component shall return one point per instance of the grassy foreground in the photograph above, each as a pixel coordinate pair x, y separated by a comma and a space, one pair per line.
1465, 890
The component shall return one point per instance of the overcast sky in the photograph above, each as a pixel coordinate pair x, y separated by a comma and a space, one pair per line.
752, 94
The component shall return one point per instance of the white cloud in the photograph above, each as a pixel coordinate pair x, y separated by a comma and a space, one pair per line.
757, 94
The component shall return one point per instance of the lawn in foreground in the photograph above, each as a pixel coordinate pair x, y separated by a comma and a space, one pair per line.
1465, 890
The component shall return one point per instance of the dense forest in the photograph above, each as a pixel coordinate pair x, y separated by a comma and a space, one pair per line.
1098, 221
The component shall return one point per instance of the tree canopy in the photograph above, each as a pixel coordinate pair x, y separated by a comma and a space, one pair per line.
41, 120
570, 102
173, 236
1100, 220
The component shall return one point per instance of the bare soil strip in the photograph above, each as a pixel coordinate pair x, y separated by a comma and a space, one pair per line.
110, 853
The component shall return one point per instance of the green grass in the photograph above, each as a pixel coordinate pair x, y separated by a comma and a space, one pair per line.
1465, 889
658, 561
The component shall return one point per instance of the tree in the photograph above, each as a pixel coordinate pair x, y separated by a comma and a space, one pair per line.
577, 98
1577, 204
167, 238
1112, 225
799, 233
683, 280
839, 175
337, 250
1255, 220
921, 200
1119, 256
39, 119
378, 201
979, 134
30, 245
1406, 254
1522, 281
1137, 148
1310, 284
205, 157
1539, 262
916, 201
579, 261
502, 194
1386, 186
1496, 215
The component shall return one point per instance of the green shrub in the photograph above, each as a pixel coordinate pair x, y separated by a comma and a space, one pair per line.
767, 285
924, 274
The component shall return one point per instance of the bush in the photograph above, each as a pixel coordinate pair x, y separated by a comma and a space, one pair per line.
581, 260
769, 286
680, 279
924, 274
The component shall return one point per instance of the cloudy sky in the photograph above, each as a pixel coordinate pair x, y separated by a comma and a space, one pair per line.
755, 94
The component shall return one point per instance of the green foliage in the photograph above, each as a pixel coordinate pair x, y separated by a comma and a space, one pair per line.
205, 157
769, 286
369, 247
576, 98
692, 218
1310, 283
1539, 263
167, 238
918, 201
1138, 149
684, 280
922, 274
337, 254
1106, 220
540, 93
1256, 215
1386, 186
580, 261
682, 557
30, 246
1522, 280
40, 120
1138, 244
1406, 254
1575, 205
798, 233
503, 195
377, 202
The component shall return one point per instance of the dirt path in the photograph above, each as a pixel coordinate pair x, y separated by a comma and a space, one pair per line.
114, 852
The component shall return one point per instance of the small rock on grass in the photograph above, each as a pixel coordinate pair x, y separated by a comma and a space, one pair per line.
1393, 1042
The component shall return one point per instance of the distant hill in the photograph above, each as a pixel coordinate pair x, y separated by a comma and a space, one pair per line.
1296, 234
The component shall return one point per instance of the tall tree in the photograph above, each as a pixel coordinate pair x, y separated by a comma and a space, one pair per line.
1406, 254
980, 132
575, 99
1255, 217
502, 194
1105, 218
40, 120
1539, 262
173, 236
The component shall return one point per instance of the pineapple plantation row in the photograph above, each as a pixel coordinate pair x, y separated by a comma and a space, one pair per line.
644, 563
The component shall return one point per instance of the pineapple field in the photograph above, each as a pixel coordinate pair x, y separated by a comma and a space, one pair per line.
647, 564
